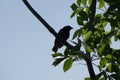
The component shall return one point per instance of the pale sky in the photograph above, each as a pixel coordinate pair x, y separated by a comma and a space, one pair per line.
25, 44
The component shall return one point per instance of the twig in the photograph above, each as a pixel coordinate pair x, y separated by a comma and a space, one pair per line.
95, 65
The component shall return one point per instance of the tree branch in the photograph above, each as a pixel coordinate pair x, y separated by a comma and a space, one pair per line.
50, 29
90, 67
92, 14
90, 27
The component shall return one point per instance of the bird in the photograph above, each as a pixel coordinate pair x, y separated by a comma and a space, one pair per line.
63, 33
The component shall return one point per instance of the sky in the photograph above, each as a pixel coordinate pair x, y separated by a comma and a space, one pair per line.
25, 44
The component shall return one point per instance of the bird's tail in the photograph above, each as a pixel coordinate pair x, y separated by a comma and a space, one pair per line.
55, 49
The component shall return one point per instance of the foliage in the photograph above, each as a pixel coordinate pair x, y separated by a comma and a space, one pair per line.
98, 40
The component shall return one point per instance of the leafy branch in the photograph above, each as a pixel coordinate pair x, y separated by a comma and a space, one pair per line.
95, 38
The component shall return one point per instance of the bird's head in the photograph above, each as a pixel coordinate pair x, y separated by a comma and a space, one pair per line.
68, 27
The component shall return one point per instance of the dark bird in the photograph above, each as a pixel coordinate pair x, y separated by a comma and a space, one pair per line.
64, 33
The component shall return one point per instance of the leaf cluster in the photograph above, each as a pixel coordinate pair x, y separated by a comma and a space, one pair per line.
106, 26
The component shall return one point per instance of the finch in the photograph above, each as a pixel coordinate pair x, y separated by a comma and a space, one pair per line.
64, 33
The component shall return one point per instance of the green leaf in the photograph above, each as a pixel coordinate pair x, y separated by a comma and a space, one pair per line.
103, 62
67, 64
79, 20
58, 61
76, 33
98, 19
99, 75
102, 78
79, 2
104, 24
57, 54
118, 33
74, 13
109, 67
109, 56
87, 36
83, 15
115, 67
87, 10
74, 6
101, 4
83, 2
89, 49
115, 38
114, 23
87, 78
89, 2
67, 52
101, 49
75, 50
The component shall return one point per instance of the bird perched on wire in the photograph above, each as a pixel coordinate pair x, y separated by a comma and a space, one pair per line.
64, 33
